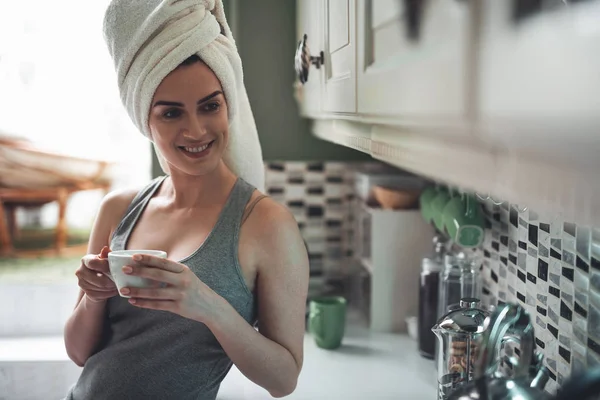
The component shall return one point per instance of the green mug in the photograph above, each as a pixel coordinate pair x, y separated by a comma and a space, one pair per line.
437, 208
327, 321
464, 221
425, 200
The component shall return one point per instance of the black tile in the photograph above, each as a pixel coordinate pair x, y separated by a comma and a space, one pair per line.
595, 263
315, 190
296, 180
486, 254
551, 375
301, 225
569, 228
275, 190
555, 254
488, 224
523, 245
565, 311
514, 217
334, 239
521, 276
580, 310
541, 344
315, 256
545, 227
504, 240
496, 217
582, 265
565, 354
501, 303
554, 291
334, 179
504, 260
542, 270
315, 211
593, 345
531, 278
276, 166
568, 273
553, 330
333, 223
512, 258
542, 311
496, 246
485, 291
295, 204
494, 276
521, 297
517, 351
316, 166
533, 235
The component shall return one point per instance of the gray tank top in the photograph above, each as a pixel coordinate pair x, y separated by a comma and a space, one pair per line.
149, 354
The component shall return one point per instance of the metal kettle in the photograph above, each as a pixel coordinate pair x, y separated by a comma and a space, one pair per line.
530, 376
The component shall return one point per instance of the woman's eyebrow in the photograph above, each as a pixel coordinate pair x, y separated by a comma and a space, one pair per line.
176, 104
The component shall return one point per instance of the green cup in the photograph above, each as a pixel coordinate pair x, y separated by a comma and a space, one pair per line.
437, 208
425, 200
464, 221
327, 321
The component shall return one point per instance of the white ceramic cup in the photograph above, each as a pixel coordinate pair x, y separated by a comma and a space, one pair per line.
120, 258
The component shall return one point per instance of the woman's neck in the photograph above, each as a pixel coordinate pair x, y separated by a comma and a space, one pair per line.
189, 191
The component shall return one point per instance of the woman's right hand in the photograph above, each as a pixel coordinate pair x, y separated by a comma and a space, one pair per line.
93, 279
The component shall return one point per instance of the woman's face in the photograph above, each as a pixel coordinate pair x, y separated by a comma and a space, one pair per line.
188, 119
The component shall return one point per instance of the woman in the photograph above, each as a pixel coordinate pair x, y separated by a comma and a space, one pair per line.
235, 257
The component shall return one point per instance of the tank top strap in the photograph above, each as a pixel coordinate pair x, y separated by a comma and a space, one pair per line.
133, 212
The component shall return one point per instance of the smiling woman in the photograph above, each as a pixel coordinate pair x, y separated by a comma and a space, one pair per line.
236, 259
189, 117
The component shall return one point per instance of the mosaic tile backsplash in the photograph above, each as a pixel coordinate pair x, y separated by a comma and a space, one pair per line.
549, 265
319, 196
552, 267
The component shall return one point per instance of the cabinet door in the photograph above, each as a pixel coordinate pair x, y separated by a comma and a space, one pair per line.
340, 58
540, 74
413, 75
310, 21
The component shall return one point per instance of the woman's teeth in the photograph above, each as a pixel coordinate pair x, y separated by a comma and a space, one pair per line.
197, 149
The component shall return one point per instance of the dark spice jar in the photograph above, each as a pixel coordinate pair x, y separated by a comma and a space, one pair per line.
429, 286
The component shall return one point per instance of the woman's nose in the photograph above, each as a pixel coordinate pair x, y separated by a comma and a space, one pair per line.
196, 130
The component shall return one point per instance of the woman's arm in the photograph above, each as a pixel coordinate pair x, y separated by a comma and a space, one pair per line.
273, 356
83, 330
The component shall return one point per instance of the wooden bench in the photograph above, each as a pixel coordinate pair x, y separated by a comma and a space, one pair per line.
13, 198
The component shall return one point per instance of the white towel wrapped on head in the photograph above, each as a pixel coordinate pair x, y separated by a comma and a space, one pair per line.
148, 39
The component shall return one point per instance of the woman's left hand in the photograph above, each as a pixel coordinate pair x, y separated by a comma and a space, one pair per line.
184, 293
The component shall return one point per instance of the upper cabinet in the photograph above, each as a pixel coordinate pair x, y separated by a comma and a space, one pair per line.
413, 60
539, 73
309, 31
340, 56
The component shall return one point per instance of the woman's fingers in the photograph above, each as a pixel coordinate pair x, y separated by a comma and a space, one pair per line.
152, 293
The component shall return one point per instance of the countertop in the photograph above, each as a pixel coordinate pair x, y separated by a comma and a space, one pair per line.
369, 365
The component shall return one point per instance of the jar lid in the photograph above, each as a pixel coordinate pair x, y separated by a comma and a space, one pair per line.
464, 320
429, 265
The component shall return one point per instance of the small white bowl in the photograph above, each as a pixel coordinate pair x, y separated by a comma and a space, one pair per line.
413, 330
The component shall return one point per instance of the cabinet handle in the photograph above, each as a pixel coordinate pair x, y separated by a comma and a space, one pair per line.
303, 60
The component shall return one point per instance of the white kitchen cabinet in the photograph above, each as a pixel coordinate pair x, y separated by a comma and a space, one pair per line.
310, 22
540, 76
421, 80
340, 56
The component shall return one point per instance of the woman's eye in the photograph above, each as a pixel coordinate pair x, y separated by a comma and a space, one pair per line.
170, 114
211, 107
